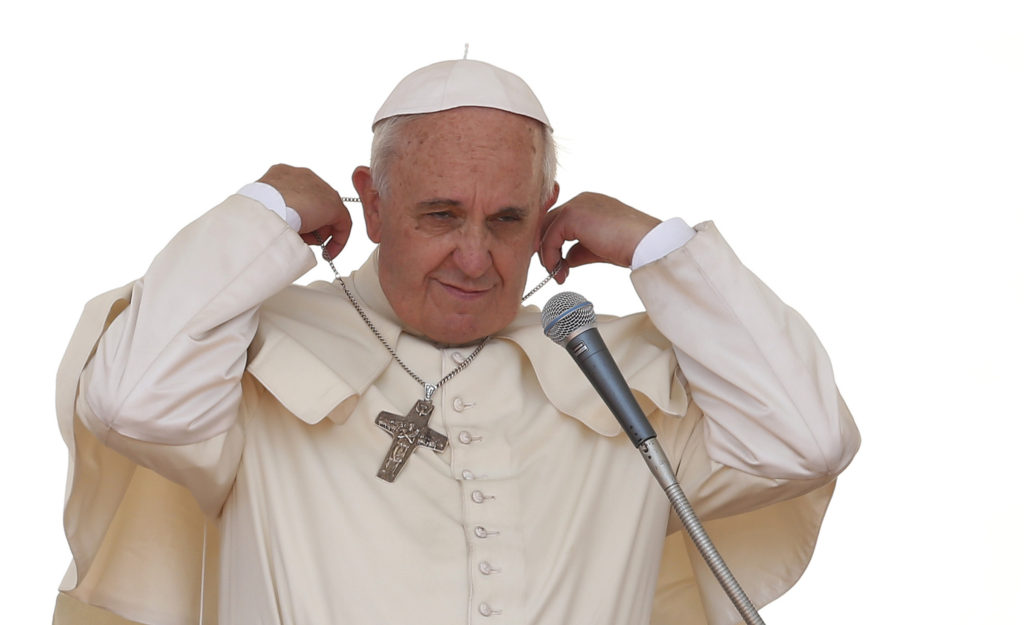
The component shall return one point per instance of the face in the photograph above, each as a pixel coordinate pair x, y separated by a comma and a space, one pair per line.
460, 221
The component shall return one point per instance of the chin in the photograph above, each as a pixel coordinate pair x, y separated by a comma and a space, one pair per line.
451, 336
461, 330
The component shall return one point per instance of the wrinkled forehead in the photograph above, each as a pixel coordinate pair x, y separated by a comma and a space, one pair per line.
469, 145
473, 125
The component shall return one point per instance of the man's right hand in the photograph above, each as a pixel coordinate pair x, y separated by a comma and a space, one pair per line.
319, 206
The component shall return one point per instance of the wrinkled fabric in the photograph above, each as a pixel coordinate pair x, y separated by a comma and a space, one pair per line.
252, 498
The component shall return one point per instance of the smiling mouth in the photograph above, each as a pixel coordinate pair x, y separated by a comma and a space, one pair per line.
464, 293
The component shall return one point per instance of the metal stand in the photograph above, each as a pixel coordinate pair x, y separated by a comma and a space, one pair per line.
659, 465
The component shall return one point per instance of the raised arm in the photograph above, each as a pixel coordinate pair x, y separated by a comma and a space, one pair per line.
167, 372
752, 365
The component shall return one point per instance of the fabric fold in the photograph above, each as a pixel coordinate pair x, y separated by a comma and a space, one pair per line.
142, 545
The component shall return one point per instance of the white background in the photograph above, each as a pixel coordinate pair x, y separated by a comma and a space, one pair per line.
865, 159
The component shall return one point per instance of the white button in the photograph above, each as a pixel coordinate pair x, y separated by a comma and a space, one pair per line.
460, 404
465, 437
479, 497
482, 532
487, 610
486, 568
458, 357
468, 475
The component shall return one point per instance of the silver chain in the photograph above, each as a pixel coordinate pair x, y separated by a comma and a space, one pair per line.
428, 389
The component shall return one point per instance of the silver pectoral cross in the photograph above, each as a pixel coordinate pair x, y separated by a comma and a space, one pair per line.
407, 433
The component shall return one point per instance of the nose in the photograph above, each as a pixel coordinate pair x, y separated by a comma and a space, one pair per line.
472, 253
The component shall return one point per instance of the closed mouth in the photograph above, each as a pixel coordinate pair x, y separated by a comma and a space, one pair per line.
463, 292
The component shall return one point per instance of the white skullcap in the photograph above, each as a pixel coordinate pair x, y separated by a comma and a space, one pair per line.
451, 84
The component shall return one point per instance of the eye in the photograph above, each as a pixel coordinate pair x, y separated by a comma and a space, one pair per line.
440, 215
509, 216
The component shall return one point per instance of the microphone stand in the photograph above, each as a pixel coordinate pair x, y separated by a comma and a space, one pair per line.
568, 319
659, 465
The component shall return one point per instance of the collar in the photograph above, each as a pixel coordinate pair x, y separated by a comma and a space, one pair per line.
314, 353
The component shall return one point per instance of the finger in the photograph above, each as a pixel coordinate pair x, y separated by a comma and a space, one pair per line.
315, 238
339, 238
336, 232
580, 255
551, 259
551, 241
548, 218
330, 240
561, 272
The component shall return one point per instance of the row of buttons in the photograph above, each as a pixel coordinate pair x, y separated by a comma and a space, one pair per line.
485, 567
477, 496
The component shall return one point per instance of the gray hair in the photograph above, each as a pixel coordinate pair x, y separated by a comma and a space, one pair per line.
386, 141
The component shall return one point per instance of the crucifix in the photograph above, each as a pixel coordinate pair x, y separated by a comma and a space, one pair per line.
410, 431
407, 433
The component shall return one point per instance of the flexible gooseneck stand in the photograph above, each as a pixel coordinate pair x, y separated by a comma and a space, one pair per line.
659, 465
569, 320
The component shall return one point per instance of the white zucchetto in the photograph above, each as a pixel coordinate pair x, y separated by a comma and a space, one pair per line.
451, 84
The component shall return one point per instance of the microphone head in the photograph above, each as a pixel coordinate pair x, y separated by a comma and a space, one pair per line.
565, 315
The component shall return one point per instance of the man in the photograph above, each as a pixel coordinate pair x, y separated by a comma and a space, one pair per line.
405, 446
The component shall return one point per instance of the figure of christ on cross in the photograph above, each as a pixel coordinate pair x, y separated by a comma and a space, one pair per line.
407, 432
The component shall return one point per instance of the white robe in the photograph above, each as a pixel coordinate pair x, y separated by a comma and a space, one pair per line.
542, 512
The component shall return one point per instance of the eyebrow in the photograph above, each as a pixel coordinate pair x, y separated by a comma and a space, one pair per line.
436, 203
511, 211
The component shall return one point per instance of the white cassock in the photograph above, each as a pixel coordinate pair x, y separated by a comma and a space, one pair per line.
223, 449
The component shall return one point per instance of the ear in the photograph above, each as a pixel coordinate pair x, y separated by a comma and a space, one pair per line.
551, 200
370, 199
544, 208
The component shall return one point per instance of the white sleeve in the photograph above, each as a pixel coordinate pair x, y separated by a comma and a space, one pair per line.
168, 368
270, 197
753, 365
665, 238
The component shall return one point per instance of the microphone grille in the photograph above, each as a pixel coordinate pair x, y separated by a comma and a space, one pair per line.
565, 314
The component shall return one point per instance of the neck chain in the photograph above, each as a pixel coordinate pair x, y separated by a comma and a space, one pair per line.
428, 389
411, 431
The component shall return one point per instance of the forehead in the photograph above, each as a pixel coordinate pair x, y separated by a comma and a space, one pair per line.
469, 146
474, 123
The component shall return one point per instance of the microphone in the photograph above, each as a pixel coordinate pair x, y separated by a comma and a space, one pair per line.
569, 320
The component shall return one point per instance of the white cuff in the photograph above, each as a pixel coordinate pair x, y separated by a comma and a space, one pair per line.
273, 200
666, 237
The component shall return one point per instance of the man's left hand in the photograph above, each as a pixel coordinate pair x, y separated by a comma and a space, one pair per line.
605, 231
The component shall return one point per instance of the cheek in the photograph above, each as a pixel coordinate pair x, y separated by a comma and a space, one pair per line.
513, 263
415, 257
